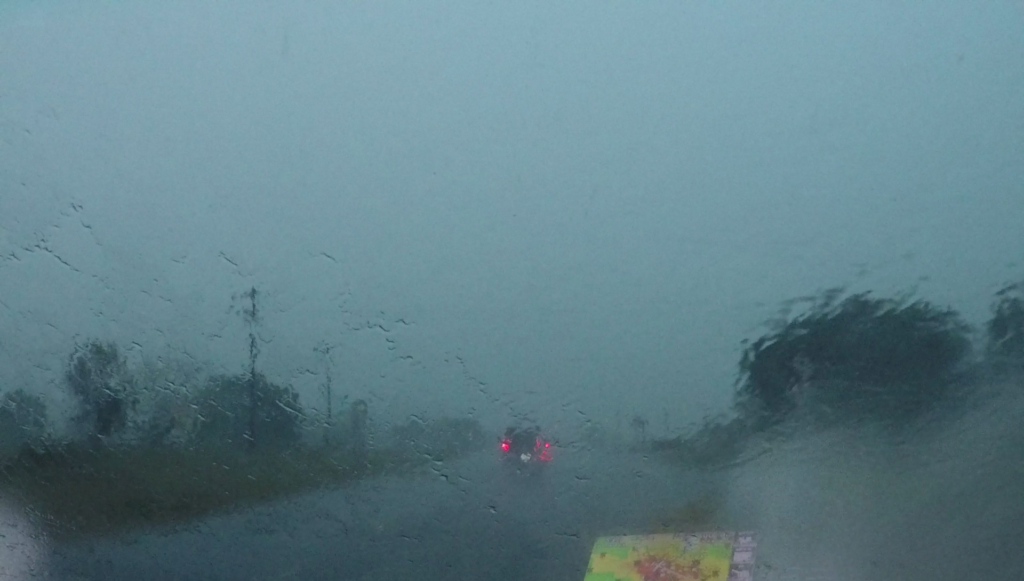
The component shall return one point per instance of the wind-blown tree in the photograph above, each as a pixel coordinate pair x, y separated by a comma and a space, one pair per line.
1005, 330
22, 420
226, 413
863, 353
98, 378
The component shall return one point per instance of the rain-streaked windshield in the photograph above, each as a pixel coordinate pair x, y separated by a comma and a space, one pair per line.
561, 291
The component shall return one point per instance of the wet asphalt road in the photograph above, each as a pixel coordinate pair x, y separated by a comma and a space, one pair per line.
467, 520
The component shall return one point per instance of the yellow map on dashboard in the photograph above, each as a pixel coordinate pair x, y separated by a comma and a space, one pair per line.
708, 556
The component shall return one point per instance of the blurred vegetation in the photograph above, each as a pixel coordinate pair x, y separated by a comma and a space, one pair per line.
97, 376
889, 357
164, 443
77, 490
223, 408
1005, 330
847, 359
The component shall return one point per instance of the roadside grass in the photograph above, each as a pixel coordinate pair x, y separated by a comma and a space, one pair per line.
76, 491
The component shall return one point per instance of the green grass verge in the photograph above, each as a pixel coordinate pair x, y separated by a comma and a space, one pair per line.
76, 491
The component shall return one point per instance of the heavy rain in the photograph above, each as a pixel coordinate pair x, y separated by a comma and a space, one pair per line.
285, 287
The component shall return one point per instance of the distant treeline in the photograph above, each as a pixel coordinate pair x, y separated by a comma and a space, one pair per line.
859, 355
169, 403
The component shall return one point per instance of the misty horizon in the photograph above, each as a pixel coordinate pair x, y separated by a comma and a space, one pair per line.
497, 209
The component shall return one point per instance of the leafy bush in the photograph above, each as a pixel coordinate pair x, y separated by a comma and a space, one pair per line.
97, 376
224, 411
862, 350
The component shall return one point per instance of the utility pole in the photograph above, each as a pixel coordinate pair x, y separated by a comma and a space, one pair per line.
252, 318
325, 350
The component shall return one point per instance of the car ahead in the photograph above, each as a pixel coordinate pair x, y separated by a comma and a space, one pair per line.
525, 450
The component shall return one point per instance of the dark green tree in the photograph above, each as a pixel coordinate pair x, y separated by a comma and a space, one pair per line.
1005, 330
97, 376
227, 417
887, 355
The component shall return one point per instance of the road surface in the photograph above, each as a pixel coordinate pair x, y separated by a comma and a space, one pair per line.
465, 520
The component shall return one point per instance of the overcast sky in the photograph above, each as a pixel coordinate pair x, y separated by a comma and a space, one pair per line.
566, 209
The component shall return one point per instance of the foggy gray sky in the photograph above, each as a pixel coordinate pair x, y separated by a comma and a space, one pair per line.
558, 208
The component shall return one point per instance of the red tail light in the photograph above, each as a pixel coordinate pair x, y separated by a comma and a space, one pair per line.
545, 452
